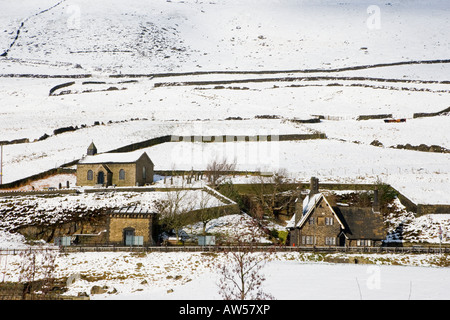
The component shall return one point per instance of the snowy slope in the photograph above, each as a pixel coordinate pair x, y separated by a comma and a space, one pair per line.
104, 38
136, 36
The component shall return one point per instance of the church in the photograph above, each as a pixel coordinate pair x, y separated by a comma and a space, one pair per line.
114, 169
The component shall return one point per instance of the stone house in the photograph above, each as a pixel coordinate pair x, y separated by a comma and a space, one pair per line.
317, 223
118, 169
125, 225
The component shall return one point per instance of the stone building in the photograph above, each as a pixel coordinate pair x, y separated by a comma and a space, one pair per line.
126, 225
317, 223
118, 169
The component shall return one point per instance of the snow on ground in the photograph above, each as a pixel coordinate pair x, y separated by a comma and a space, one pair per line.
49, 182
23, 210
192, 35
77, 37
429, 131
235, 226
66, 147
12, 240
422, 176
194, 276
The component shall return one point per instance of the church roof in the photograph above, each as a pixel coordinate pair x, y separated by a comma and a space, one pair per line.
122, 157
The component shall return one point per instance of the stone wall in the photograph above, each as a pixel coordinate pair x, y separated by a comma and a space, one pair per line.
423, 209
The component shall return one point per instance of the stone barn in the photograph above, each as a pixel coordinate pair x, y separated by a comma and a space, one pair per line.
114, 169
132, 226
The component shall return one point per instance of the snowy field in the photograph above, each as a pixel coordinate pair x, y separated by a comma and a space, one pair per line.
314, 280
297, 41
194, 276
323, 58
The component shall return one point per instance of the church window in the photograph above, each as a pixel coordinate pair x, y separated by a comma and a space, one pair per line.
90, 175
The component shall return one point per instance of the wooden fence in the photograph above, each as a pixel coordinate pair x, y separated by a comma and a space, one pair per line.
328, 249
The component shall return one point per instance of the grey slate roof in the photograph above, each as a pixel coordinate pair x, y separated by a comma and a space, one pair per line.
362, 223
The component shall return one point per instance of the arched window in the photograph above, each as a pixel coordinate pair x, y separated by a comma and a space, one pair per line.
122, 174
144, 173
90, 175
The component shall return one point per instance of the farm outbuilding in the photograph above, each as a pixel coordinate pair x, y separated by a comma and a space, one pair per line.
131, 226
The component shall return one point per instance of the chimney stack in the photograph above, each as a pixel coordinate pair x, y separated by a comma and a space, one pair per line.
314, 186
376, 201
298, 208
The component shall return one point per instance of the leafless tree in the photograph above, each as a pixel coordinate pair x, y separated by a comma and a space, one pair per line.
27, 271
48, 266
37, 265
240, 271
207, 210
217, 169
175, 209
272, 193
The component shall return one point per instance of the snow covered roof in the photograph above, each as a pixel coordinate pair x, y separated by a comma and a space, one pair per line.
122, 157
133, 210
309, 203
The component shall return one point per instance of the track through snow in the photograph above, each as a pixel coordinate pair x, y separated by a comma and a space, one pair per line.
22, 24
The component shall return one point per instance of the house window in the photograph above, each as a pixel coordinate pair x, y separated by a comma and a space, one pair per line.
330, 241
311, 220
90, 175
144, 173
363, 243
122, 174
329, 221
309, 240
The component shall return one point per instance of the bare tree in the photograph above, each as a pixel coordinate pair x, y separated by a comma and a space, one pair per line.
207, 210
48, 266
240, 273
27, 271
175, 209
272, 193
217, 169
37, 265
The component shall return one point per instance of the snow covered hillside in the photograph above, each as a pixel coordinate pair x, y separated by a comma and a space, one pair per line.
248, 69
326, 40
154, 36
122, 72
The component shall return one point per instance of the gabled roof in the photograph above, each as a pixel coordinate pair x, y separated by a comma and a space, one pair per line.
309, 204
105, 167
122, 157
362, 223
